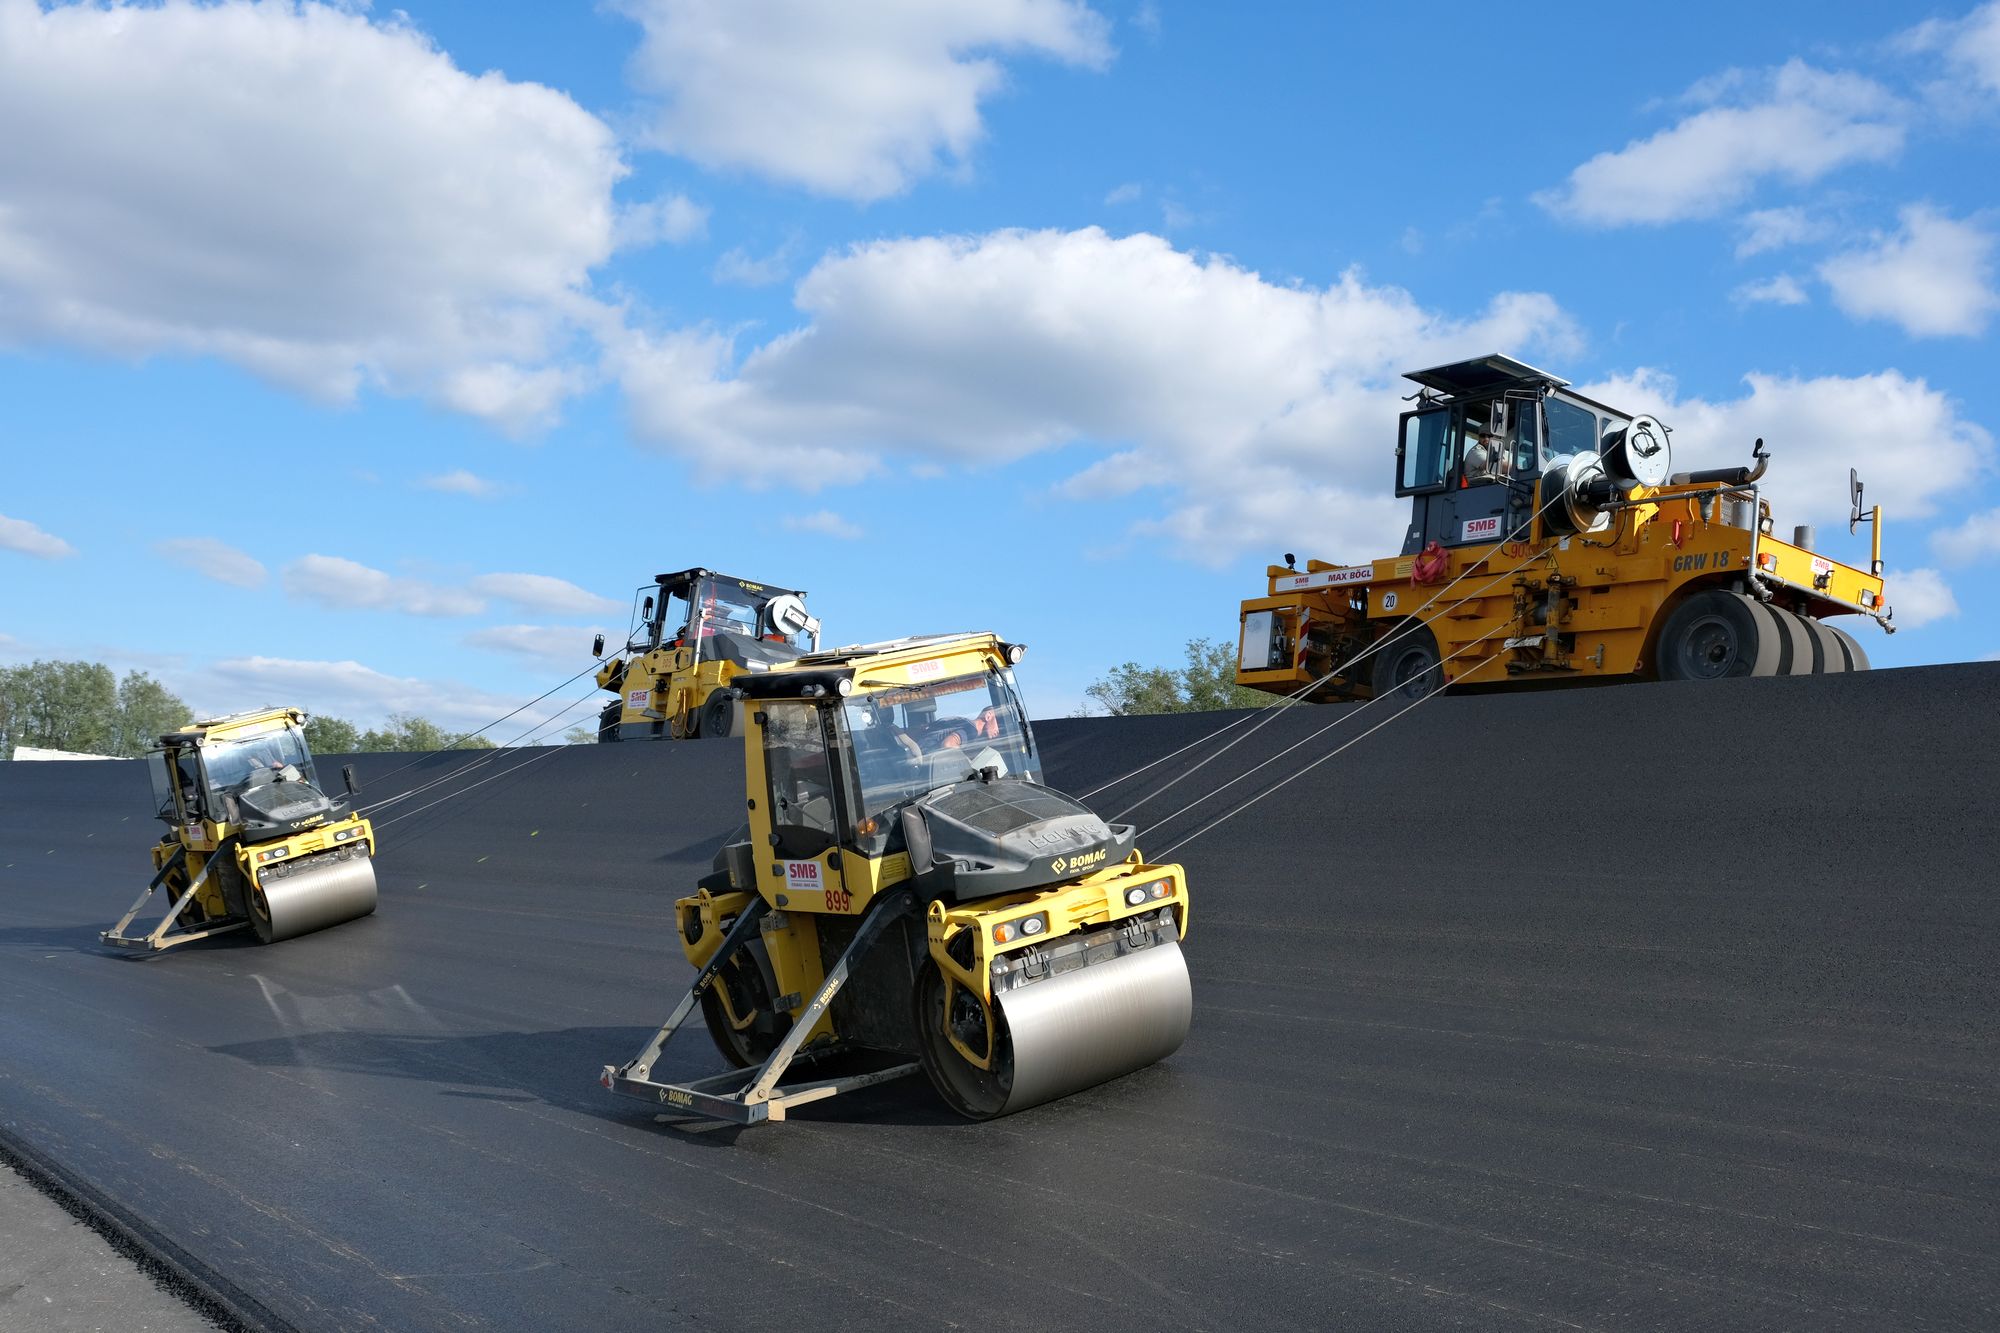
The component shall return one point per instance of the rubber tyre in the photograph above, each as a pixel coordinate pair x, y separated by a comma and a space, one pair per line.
1795, 643
749, 983
1716, 634
1831, 659
1407, 663
1857, 656
976, 1094
718, 715
607, 721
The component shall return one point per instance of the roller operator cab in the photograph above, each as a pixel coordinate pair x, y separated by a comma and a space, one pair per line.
909, 894
1551, 542
253, 837
693, 633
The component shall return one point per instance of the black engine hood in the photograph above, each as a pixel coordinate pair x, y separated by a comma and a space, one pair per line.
975, 839
273, 810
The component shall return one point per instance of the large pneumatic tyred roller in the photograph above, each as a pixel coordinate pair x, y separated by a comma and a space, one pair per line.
910, 895
251, 839
1552, 542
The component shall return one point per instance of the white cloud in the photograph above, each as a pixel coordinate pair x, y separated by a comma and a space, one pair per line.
323, 200
1918, 597
855, 99
1908, 440
825, 523
345, 585
1199, 377
1775, 228
1795, 124
1974, 539
738, 267
540, 592
1934, 278
673, 218
1781, 290
1127, 193
213, 559
1971, 45
358, 693
18, 534
461, 482
552, 645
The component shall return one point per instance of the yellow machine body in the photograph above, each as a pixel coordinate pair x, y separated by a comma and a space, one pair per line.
693, 633
1075, 915
1562, 600
251, 841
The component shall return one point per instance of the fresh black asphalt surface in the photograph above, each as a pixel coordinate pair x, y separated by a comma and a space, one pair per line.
1655, 1007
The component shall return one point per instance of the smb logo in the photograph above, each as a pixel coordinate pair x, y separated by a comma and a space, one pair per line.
1487, 528
802, 874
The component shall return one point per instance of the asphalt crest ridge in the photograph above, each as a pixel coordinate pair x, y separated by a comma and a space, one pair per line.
1649, 1007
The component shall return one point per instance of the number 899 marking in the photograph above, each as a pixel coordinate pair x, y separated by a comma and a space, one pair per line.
838, 900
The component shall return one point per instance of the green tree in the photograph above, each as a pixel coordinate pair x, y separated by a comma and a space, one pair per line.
146, 710
580, 736
58, 706
407, 731
1206, 682
332, 735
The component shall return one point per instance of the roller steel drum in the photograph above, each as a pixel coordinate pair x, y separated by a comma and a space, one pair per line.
313, 894
1095, 1023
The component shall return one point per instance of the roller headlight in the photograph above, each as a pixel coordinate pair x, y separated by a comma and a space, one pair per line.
1026, 927
273, 854
1133, 897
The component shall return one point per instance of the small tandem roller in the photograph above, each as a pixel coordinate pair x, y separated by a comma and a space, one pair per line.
910, 895
251, 839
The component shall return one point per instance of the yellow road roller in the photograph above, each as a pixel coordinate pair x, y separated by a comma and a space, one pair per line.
694, 633
910, 895
252, 840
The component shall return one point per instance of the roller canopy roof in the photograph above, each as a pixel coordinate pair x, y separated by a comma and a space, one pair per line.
1484, 374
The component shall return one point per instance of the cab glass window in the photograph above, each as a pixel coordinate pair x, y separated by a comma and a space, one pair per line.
1572, 429
801, 777
1426, 450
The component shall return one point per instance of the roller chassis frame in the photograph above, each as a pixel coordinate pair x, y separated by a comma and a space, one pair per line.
753, 1096
163, 935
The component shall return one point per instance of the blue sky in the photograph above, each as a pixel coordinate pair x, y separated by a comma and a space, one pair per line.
369, 358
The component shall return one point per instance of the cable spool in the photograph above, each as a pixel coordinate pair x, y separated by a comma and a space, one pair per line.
1584, 492
1638, 454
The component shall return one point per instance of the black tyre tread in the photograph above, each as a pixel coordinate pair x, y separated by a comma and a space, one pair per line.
1795, 643
1833, 654
1857, 656
1396, 644
1755, 625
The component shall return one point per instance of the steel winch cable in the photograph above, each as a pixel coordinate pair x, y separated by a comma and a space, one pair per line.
1268, 713
483, 758
490, 757
459, 740
1345, 717
1230, 814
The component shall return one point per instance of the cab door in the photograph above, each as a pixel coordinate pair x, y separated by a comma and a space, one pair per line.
1468, 468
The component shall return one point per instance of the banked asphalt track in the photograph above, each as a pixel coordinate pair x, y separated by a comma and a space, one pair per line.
1656, 1007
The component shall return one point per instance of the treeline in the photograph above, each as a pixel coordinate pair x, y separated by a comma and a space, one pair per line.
85, 708
1207, 681
406, 731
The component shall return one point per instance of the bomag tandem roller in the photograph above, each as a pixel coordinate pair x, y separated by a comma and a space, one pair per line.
693, 633
910, 895
1550, 542
251, 839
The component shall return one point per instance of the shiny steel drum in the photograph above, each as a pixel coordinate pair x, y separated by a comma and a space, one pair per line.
1085, 1027
1057, 1035
312, 894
